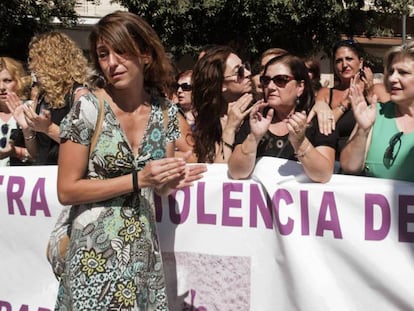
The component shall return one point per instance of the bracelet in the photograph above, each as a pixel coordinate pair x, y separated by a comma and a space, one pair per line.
135, 181
30, 137
25, 156
342, 107
227, 144
301, 155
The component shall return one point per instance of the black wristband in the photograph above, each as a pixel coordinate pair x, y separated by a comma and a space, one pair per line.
228, 145
135, 180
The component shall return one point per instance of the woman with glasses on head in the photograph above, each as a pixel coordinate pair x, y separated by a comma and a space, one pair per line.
221, 99
332, 105
277, 125
12, 81
382, 143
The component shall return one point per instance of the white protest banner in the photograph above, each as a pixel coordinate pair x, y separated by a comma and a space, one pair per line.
274, 242
28, 209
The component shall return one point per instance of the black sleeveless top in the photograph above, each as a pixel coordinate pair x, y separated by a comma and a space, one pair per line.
272, 145
47, 148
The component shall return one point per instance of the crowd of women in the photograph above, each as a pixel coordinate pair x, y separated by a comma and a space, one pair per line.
122, 126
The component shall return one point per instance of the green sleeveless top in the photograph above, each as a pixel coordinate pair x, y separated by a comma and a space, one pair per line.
391, 153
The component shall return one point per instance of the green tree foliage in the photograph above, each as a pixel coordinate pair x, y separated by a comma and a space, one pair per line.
300, 26
21, 19
395, 7
389, 12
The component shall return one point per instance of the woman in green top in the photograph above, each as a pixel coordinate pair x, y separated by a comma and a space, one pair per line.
382, 143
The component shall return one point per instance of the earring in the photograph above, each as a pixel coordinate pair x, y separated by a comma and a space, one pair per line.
297, 101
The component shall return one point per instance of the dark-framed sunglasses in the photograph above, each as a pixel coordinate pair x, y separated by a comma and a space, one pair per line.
186, 87
279, 80
389, 156
4, 131
241, 72
3, 142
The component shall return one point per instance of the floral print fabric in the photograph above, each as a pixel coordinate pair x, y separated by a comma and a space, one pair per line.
114, 259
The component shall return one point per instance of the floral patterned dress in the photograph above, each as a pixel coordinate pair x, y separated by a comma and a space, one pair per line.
114, 259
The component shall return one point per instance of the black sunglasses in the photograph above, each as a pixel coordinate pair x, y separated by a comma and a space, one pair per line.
4, 131
389, 156
184, 86
241, 72
3, 142
279, 80
346, 41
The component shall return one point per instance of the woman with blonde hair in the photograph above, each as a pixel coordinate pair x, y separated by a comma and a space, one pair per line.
13, 79
60, 72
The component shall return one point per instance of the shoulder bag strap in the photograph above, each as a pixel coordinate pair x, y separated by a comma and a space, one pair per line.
165, 115
99, 121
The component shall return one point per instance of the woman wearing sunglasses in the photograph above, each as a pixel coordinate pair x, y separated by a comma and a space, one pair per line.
221, 99
264, 58
182, 95
382, 144
277, 125
184, 89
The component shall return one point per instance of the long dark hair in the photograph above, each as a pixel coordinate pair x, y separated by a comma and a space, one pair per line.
209, 103
352, 45
300, 73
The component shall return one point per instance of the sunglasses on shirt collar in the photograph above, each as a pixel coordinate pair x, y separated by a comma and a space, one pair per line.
389, 155
4, 131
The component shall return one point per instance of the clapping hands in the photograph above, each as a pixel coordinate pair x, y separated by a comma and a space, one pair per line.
364, 114
259, 124
170, 173
297, 124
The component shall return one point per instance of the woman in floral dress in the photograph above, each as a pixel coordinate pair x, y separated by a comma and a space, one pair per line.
114, 259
